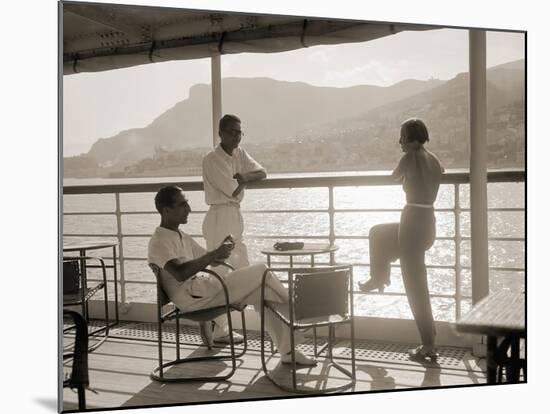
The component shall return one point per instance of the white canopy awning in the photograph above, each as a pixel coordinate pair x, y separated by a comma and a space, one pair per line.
98, 37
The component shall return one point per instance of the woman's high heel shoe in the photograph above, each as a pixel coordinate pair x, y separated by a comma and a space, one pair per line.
421, 354
373, 284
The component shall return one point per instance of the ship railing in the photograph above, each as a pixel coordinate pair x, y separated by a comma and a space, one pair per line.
331, 183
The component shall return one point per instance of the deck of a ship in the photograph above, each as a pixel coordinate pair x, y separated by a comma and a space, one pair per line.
119, 371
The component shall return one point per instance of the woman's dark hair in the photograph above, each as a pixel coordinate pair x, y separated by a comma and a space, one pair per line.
416, 130
165, 197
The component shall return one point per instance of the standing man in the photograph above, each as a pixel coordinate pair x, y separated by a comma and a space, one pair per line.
225, 172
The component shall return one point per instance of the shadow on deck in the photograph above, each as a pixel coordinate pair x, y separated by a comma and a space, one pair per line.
119, 370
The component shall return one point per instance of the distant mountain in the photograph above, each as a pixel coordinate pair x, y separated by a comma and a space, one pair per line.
448, 101
270, 109
509, 78
362, 119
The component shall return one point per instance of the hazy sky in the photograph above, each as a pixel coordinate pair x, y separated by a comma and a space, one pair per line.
99, 105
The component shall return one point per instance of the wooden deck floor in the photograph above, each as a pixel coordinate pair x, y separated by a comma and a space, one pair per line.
119, 372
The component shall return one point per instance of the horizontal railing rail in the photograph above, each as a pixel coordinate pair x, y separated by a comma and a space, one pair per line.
324, 180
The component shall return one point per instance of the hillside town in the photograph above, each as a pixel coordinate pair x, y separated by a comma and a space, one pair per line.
356, 147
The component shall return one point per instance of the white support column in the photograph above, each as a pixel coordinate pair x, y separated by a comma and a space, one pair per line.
478, 165
216, 74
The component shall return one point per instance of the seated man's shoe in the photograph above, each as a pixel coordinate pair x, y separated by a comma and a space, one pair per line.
237, 339
205, 329
422, 354
301, 359
373, 284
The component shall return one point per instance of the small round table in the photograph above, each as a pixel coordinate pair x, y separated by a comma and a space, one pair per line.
309, 249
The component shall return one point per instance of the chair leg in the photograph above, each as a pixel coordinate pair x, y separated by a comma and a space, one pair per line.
315, 342
231, 341
177, 338
294, 388
245, 338
353, 346
81, 397
293, 350
106, 310
513, 362
159, 341
330, 341
158, 373
262, 340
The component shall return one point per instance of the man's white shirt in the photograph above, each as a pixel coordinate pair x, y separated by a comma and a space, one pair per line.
218, 169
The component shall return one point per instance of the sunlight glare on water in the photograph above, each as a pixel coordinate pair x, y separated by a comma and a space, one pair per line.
315, 227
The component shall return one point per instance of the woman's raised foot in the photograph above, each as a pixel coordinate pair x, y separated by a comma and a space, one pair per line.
372, 284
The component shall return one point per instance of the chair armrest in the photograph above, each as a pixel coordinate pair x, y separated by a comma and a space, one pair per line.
162, 297
101, 261
222, 282
224, 264
227, 265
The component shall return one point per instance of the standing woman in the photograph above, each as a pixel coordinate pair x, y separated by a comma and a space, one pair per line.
420, 172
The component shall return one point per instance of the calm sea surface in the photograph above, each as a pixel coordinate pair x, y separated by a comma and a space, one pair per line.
294, 226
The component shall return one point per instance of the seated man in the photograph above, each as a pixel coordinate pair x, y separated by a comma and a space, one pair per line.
181, 260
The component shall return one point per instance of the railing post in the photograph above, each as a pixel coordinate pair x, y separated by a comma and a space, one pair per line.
331, 212
216, 74
478, 165
118, 215
458, 265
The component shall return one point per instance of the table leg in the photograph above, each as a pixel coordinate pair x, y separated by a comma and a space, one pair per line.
314, 328
315, 342
512, 370
491, 361
85, 309
115, 280
331, 337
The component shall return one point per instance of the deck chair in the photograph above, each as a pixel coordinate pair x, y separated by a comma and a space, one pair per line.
78, 378
201, 316
318, 297
77, 292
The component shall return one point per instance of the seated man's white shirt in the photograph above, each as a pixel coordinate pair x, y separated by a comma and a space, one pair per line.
218, 169
166, 245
